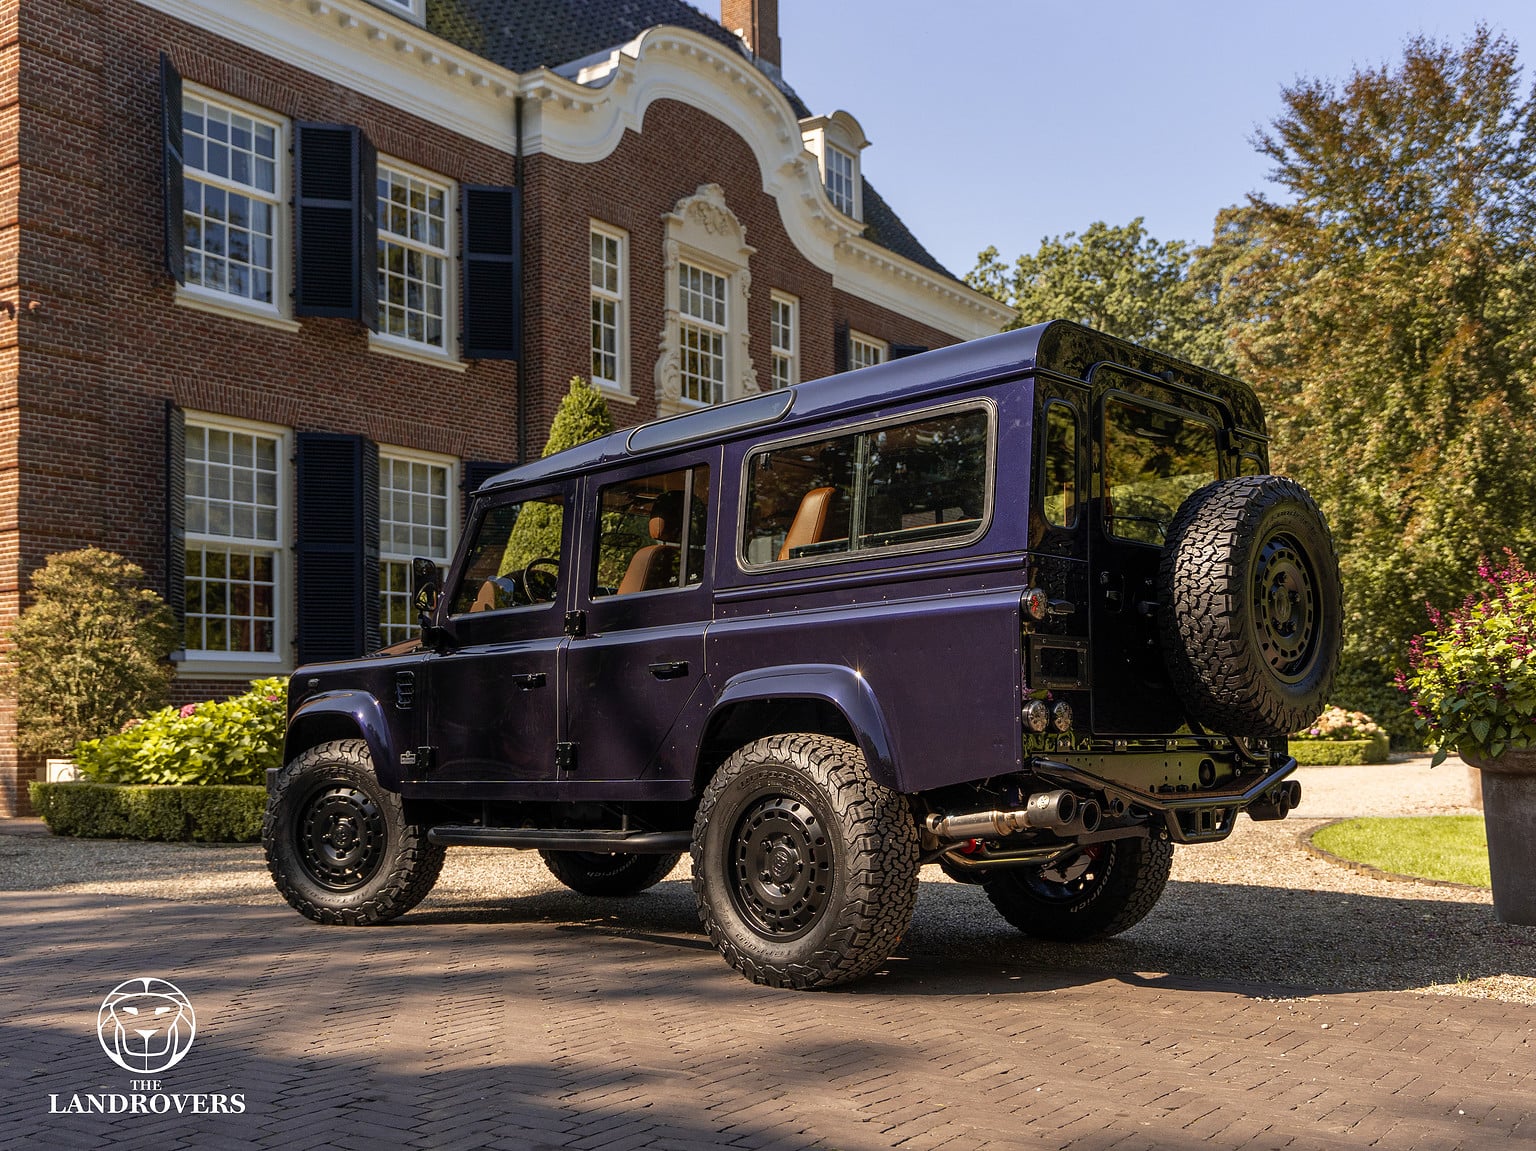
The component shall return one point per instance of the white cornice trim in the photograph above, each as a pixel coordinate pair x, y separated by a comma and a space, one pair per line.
374, 52
364, 48
879, 275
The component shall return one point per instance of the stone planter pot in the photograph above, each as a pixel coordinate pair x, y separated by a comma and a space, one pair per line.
1509, 814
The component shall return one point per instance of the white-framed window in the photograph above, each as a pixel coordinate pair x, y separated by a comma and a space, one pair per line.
415, 259
417, 516
609, 261
236, 562
233, 213
839, 177
865, 351
703, 328
413, 10
784, 337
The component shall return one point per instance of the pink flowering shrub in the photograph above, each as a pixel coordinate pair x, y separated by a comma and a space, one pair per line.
217, 741
1336, 723
1473, 682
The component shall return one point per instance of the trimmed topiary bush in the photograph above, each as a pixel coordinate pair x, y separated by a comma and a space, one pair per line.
211, 814
230, 741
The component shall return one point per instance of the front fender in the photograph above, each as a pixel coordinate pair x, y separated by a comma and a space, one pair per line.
842, 687
344, 715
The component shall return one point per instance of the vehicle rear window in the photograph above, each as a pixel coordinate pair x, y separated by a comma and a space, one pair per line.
918, 484
1154, 457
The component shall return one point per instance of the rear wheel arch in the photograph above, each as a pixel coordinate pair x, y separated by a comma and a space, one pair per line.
834, 702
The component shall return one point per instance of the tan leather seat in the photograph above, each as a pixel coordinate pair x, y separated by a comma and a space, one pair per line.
809, 522
655, 565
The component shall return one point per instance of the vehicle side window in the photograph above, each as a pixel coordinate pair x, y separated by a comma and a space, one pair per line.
911, 484
1154, 457
1058, 483
651, 532
514, 560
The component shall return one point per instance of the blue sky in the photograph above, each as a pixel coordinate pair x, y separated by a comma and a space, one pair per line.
998, 122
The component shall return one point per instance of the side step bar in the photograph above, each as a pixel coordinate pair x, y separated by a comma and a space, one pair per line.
563, 839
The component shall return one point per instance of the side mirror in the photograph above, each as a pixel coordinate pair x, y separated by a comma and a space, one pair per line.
426, 579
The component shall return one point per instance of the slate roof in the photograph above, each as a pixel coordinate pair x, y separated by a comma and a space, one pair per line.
522, 35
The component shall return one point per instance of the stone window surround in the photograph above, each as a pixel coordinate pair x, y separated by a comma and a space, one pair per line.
701, 230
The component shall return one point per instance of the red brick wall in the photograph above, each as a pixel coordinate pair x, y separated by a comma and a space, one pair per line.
98, 344
677, 149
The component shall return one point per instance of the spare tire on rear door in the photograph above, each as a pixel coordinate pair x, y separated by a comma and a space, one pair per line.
1250, 609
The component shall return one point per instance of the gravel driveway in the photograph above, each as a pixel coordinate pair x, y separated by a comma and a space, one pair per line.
1255, 908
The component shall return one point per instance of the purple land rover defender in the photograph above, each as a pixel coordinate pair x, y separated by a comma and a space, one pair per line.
1029, 608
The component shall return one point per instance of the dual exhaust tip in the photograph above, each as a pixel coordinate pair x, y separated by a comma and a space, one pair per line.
1276, 803
1059, 811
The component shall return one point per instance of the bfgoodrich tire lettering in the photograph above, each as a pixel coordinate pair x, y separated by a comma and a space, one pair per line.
804, 867
1098, 892
337, 842
617, 873
1251, 609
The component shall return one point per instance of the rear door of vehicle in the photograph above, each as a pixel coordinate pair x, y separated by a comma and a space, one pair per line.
1153, 445
644, 598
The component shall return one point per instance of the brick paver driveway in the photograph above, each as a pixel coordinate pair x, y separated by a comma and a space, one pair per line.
552, 1022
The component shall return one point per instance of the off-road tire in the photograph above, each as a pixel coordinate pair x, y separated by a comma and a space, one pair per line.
617, 873
804, 867
1125, 880
1251, 610
337, 842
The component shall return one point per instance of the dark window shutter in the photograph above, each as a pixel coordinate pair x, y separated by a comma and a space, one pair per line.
475, 473
368, 233
338, 552
493, 309
841, 348
176, 511
335, 222
902, 351
171, 170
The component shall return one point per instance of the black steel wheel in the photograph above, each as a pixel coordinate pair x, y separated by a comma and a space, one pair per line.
337, 842
615, 873
1250, 606
1091, 893
805, 868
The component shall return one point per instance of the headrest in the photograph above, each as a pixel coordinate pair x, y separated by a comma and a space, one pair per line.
667, 518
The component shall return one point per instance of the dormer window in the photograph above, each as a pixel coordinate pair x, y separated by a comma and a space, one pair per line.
412, 10
839, 179
836, 142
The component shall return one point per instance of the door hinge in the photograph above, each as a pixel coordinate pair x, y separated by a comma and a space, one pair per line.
575, 623
565, 757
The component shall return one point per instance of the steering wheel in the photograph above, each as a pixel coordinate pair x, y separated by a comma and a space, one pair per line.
540, 585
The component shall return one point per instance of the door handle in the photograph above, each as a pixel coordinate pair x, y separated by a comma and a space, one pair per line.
531, 680
670, 669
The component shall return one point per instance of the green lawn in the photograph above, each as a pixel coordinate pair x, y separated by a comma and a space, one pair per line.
1453, 847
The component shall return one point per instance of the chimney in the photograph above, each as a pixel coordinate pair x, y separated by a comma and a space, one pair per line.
756, 22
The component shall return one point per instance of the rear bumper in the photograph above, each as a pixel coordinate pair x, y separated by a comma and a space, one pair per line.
1202, 816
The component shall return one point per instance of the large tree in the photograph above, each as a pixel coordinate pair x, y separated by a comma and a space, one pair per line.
1119, 280
1385, 305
